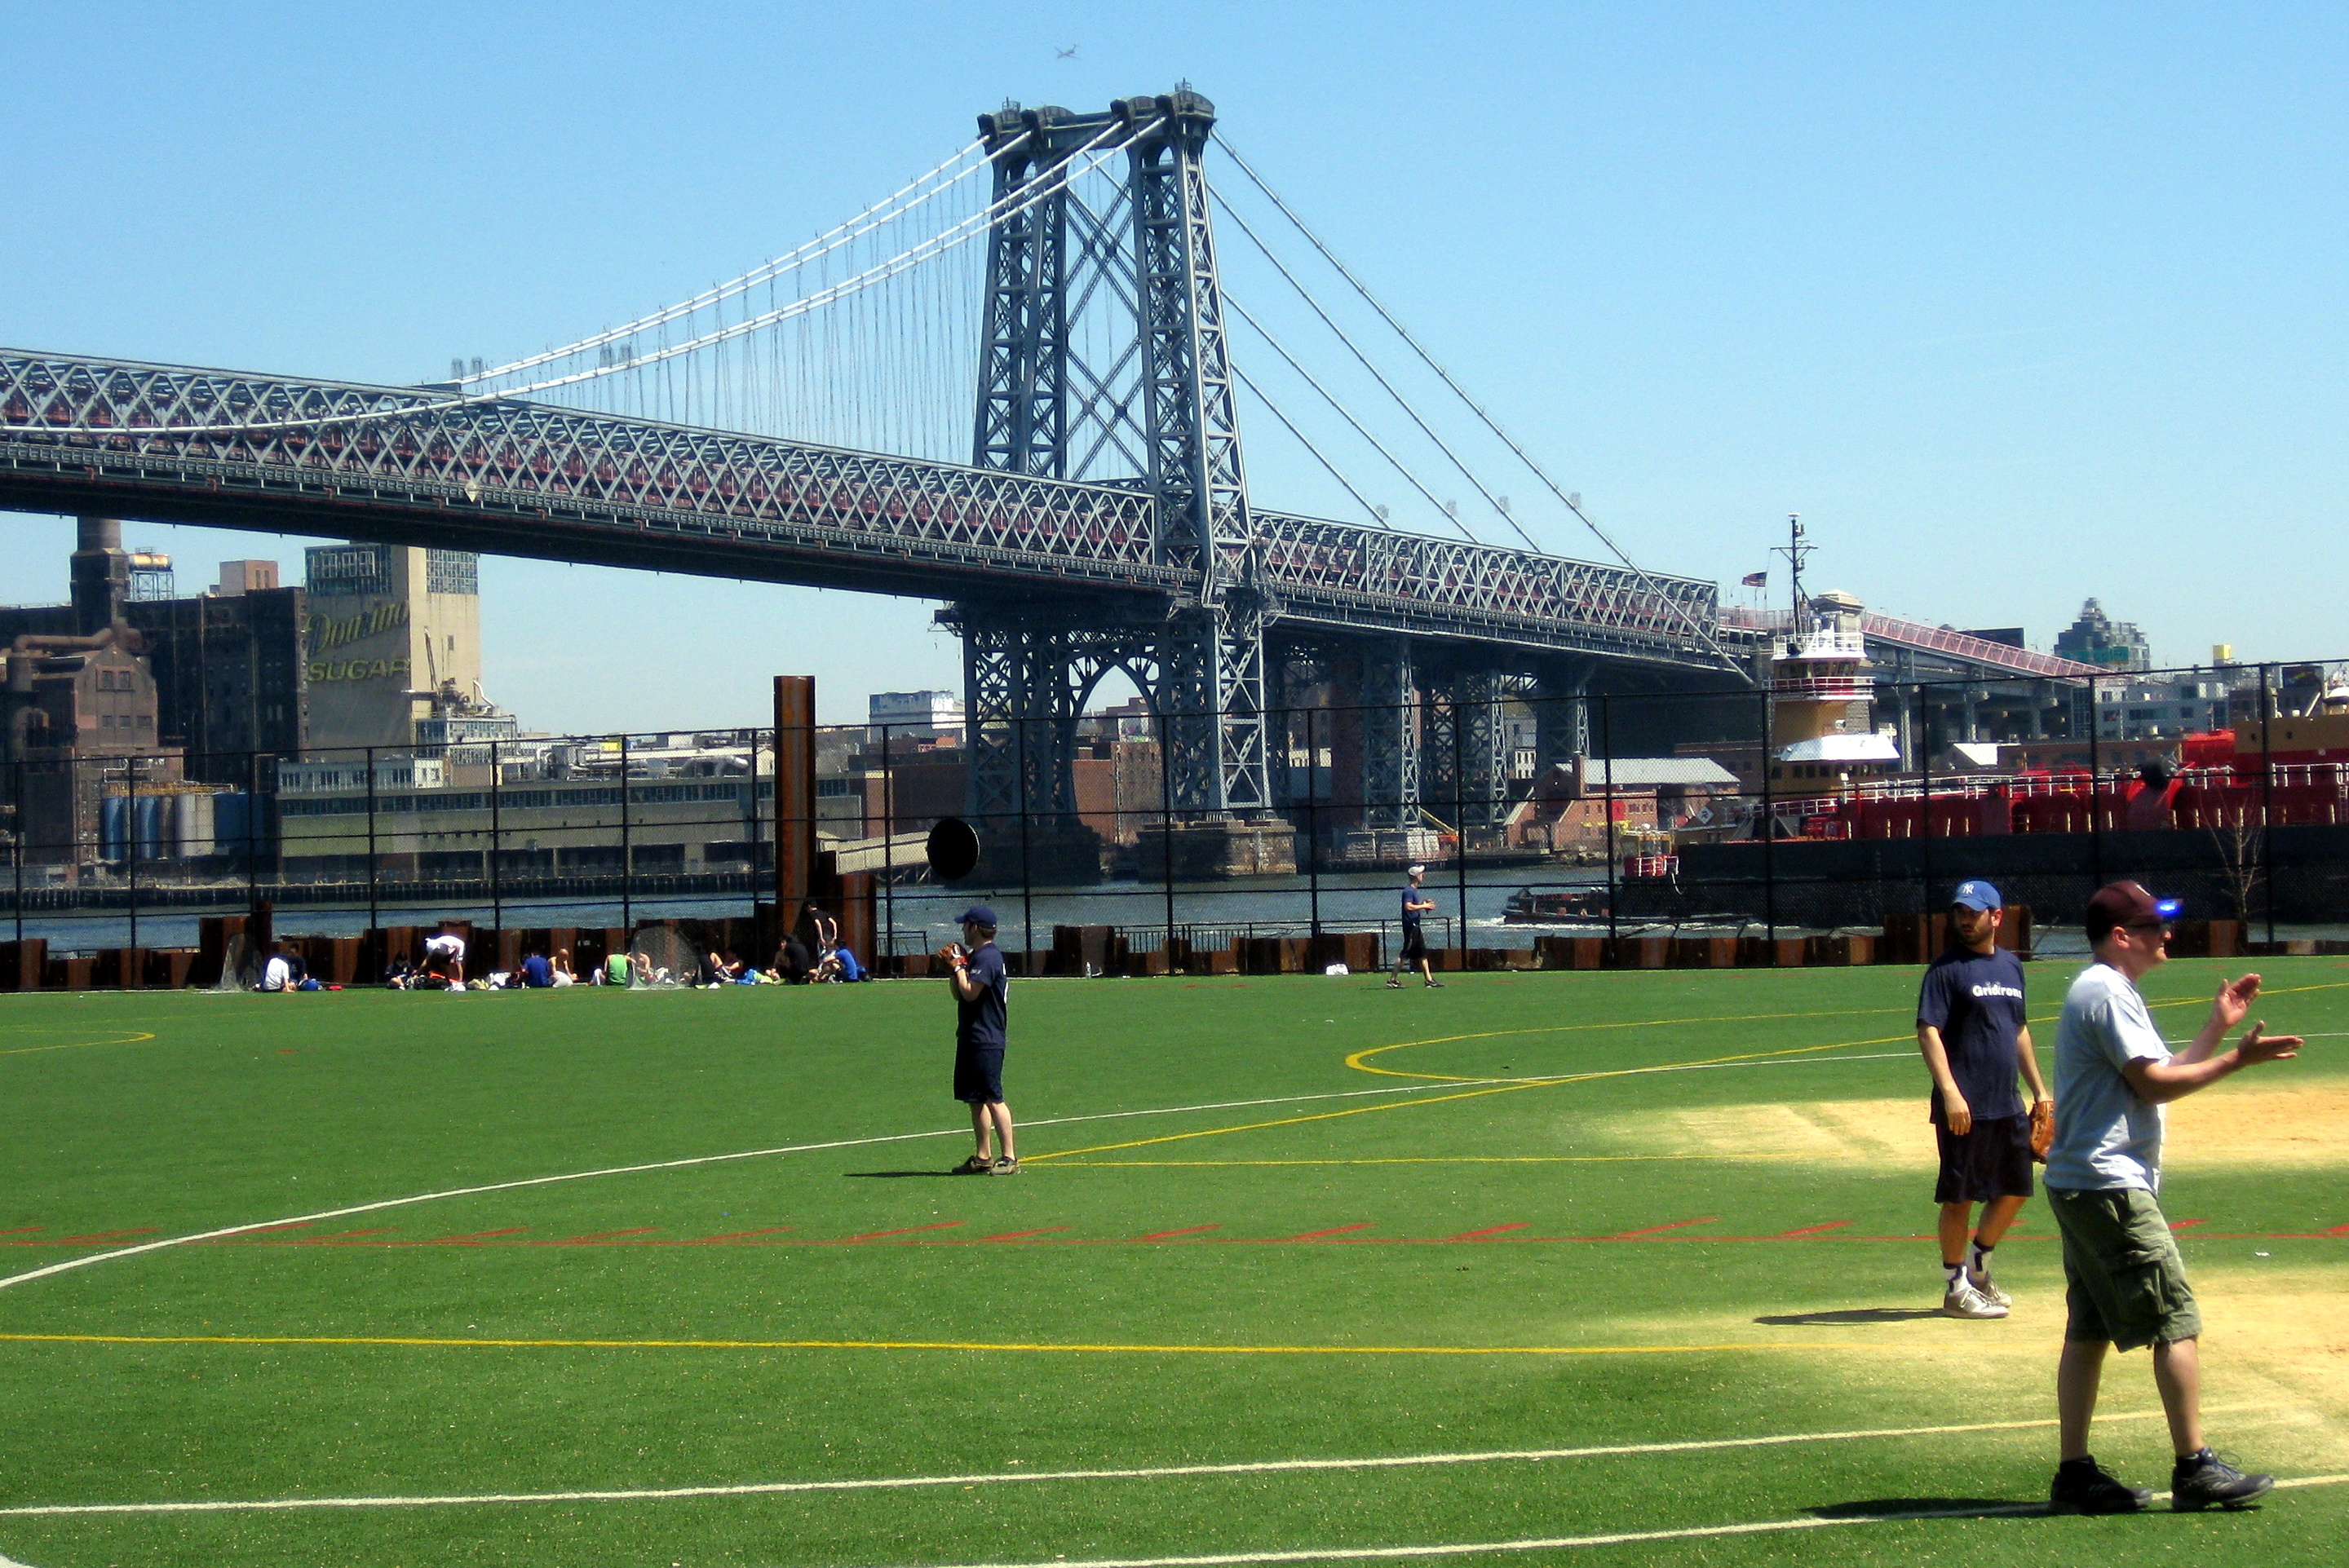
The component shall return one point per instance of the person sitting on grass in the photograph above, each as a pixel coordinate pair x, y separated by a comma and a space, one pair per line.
537, 974
559, 969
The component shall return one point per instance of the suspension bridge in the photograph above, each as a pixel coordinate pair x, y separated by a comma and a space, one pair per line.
813, 421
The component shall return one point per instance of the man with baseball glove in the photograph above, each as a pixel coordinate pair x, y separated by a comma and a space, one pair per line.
1971, 1028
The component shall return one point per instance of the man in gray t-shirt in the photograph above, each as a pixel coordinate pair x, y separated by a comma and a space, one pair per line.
2128, 1285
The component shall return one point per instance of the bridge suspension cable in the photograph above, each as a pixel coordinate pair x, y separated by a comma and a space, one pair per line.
1084, 159
1343, 412
1572, 502
1376, 374
893, 206
1377, 513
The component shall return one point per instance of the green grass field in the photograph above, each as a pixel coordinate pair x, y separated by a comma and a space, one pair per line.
1484, 1227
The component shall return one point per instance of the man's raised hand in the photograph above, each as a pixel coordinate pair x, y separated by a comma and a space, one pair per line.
2256, 1047
2234, 1003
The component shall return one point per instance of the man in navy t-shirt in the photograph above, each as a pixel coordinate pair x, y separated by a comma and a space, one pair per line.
982, 992
1972, 1029
1415, 903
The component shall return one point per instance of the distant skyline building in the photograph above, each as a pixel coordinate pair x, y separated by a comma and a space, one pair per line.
2098, 639
394, 641
913, 716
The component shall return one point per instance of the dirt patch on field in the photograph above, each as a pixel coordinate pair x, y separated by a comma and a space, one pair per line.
2227, 1128
2232, 1126
1871, 1133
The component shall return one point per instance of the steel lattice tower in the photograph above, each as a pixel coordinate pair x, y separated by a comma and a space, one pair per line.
1157, 411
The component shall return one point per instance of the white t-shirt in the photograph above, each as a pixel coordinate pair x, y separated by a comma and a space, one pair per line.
276, 974
2105, 1136
446, 945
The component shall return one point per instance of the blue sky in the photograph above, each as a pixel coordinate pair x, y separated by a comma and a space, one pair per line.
2014, 304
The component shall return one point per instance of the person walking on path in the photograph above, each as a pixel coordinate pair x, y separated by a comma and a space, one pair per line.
2128, 1285
1415, 903
1972, 1030
982, 993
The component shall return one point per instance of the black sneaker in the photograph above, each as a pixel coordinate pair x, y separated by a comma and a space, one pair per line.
1435, 984
1004, 1167
2199, 1480
2083, 1486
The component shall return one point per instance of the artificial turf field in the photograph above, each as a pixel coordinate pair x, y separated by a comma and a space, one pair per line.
1546, 1242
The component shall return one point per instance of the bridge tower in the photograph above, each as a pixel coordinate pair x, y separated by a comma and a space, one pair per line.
1158, 410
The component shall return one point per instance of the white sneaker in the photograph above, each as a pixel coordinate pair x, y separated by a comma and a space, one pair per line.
1964, 1301
1987, 1291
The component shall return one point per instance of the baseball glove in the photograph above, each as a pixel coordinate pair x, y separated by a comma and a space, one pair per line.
2042, 1129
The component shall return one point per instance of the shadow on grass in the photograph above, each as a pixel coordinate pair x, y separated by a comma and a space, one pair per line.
1852, 1315
896, 1175
1933, 1508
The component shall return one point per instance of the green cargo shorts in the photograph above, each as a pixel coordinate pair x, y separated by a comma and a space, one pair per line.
2128, 1283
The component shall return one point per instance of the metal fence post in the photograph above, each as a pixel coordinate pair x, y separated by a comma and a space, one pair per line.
374, 920
1027, 862
20, 849
1607, 744
888, 850
2267, 803
2096, 778
1925, 805
1769, 830
1460, 810
1313, 820
627, 857
130, 844
497, 884
252, 827
1167, 827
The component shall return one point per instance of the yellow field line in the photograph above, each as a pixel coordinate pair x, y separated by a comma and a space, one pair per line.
419, 1342
1358, 1059
1468, 1094
1431, 1160
137, 1036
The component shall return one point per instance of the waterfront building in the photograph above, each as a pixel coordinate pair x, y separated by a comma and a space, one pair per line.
393, 642
2098, 639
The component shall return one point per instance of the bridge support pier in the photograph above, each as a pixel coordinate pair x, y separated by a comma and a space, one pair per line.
1465, 753
1388, 704
1561, 705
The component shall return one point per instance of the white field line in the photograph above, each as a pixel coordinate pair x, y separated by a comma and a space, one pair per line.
1560, 1542
1157, 1472
88, 1260
689, 1160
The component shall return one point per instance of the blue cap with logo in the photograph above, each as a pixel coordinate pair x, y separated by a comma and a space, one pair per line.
977, 914
1977, 895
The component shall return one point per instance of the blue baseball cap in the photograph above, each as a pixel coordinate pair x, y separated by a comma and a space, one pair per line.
1977, 895
977, 914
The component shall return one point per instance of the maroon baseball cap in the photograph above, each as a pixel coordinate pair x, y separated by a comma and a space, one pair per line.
2126, 904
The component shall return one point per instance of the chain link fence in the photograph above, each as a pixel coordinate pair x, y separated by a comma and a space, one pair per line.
1823, 817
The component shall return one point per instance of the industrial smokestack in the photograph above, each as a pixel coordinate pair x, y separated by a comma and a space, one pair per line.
101, 574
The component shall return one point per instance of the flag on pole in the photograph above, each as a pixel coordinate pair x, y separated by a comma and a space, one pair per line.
1756, 579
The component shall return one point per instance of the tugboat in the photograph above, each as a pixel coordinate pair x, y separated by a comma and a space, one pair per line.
1570, 906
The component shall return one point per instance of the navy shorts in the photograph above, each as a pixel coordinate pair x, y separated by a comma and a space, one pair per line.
1992, 1161
978, 1075
1415, 944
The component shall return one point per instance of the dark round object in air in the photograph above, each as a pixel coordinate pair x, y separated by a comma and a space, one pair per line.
953, 849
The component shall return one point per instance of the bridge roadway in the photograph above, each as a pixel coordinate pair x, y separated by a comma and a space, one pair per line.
421, 467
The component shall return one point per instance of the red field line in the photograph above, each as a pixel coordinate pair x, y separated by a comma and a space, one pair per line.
1810, 1231
1660, 1230
885, 1236
1167, 1236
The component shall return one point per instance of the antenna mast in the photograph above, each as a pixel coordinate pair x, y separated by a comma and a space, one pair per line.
1796, 552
